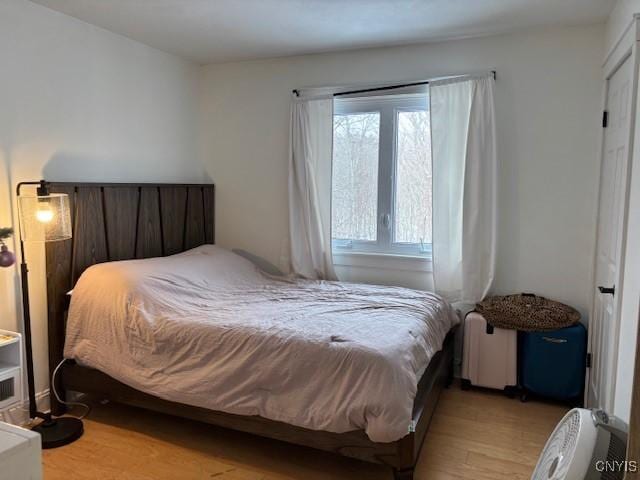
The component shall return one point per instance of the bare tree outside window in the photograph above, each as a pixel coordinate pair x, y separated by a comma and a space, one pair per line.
355, 176
413, 178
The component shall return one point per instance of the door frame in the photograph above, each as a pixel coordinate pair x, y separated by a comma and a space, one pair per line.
626, 48
633, 444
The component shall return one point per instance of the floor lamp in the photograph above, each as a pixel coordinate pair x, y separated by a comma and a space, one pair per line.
44, 217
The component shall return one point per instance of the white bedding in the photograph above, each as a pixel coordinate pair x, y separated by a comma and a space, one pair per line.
206, 328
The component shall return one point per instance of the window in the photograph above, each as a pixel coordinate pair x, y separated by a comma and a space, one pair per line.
381, 190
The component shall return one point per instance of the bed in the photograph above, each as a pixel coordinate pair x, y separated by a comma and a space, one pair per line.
160, 326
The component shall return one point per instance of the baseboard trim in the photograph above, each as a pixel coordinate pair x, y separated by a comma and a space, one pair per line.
19, 414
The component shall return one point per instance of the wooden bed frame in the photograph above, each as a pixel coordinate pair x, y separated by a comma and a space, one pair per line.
125, 221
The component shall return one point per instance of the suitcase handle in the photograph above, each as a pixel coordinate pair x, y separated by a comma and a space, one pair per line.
554, 340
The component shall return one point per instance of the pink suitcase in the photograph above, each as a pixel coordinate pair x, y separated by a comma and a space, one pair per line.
490, 355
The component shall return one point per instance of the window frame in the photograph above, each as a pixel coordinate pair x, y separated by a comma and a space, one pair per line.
388, 107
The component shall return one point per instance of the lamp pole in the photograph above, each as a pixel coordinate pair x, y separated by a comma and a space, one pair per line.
26, 315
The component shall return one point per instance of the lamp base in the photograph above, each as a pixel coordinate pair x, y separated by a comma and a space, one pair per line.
58, 432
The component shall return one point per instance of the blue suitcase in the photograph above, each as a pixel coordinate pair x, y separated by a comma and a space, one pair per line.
552, 364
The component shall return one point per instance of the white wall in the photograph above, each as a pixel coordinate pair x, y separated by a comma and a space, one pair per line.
547, 101
79, 103
620, 18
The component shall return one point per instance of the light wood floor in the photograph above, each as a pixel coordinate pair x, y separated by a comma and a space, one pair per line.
474, 435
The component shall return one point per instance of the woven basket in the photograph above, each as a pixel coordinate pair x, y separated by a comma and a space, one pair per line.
527, 312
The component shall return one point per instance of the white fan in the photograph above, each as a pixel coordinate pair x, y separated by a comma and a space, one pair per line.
586, 445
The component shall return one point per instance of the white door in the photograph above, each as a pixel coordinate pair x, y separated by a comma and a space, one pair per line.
604, 326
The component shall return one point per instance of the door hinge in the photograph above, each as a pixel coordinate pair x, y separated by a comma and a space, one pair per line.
607, 290
588, 360
605, 119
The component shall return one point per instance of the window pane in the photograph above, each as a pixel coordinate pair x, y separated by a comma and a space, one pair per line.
413, 178
355, 176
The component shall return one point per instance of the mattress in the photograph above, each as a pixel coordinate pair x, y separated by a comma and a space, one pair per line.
207, 328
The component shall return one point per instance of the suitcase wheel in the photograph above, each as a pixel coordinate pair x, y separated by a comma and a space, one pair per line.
465, 384
511, 391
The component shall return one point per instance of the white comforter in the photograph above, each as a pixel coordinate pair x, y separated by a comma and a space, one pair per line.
206, 328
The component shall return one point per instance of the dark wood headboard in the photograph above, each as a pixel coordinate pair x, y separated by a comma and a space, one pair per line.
117, 221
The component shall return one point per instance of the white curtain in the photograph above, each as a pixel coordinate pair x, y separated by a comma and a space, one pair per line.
464, 187
310, 159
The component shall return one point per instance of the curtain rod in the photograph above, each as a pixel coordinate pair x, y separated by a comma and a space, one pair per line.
296, 91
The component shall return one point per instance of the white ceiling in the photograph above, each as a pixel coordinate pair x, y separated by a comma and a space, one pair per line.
211, 31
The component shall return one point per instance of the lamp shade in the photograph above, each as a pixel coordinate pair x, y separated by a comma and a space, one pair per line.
44, 218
